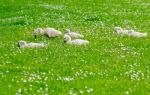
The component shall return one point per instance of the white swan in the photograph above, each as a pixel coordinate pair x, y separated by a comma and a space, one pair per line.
121, 31
24, 44
68, 40
49, 32
73, 34
132, 33
137, 34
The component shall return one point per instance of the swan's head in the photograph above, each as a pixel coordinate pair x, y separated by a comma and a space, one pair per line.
36, 31
22, 43
67, 38
67, 31
131, 31
118, 29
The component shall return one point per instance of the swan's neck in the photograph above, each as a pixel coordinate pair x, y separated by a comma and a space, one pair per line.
69, 40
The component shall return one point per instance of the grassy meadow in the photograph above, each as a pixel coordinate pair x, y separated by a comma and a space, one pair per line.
109, 65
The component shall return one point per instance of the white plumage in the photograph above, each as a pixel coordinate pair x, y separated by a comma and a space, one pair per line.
121, 31
73, 34
132, 33
68, 40
24, 44
49, 32
137, 34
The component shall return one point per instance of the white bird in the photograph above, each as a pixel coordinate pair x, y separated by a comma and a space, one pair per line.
137, 34
121, 31
49, 32
24, 44
73, 34
68, 40
132, 33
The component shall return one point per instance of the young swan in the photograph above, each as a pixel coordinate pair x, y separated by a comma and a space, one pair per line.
49, 32
73, 34
132, 33
137, 34
67, 39
24, 44
121, 31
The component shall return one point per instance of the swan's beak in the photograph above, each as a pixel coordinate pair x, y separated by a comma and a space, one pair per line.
18, 44
35, 36
64, 41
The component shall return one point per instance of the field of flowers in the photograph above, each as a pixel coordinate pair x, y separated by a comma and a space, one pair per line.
109, 65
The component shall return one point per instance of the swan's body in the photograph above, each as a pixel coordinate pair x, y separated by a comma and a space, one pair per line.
68, 40
24, 44
49, 32
132, 33
137, 34
73, 34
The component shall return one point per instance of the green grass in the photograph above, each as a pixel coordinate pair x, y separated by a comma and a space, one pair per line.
109, 65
